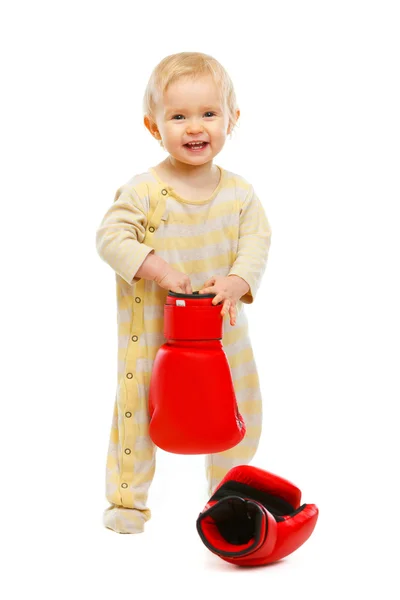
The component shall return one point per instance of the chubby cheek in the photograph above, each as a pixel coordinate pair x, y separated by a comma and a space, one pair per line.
176, 138
218, 136
217, 141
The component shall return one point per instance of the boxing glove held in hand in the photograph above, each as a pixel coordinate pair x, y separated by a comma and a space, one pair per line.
192, 402
255, 517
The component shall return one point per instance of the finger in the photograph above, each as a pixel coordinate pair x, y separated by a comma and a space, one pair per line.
225, 307
209, 282
232, 313
206, 290
219, 297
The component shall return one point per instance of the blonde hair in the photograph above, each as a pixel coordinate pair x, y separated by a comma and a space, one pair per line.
188, 64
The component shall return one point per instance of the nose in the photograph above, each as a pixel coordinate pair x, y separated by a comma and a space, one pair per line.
194, 126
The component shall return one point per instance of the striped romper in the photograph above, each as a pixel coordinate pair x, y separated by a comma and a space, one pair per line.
227, 233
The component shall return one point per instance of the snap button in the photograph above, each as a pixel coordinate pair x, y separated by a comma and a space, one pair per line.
151, 229
127, 451
164, 192
137, 299
135, 338
128, 414
124, 485
129, 375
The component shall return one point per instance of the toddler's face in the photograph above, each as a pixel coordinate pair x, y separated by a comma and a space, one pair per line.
192, 110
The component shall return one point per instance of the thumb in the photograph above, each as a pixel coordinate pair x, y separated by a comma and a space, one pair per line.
209, 282
206, 290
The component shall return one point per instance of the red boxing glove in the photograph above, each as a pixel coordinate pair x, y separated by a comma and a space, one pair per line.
192, 401
254, 518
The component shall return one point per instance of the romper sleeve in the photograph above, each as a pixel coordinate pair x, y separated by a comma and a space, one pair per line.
120, 235
253, 246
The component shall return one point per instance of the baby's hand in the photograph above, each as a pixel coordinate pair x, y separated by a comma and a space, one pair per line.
227, 289
174, 280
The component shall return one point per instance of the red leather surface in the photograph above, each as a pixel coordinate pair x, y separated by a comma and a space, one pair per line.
276, 539
263, 480
192, 400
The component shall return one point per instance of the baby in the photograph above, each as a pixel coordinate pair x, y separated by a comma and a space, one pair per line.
184, 225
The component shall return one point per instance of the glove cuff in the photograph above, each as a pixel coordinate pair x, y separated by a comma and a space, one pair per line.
236, 526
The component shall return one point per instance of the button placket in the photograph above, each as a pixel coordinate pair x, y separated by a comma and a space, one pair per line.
158, 214
133, 353
131, 405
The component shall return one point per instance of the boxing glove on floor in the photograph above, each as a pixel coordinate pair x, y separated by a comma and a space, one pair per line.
255, 517
192, 402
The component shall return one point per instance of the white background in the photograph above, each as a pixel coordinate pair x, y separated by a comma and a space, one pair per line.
318, 88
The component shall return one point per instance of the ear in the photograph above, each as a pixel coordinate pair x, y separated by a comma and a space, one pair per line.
152, 127
237, 115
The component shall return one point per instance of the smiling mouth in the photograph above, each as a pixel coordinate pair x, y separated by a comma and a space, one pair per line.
197, 146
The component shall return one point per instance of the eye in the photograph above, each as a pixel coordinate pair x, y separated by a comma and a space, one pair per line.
209, 112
